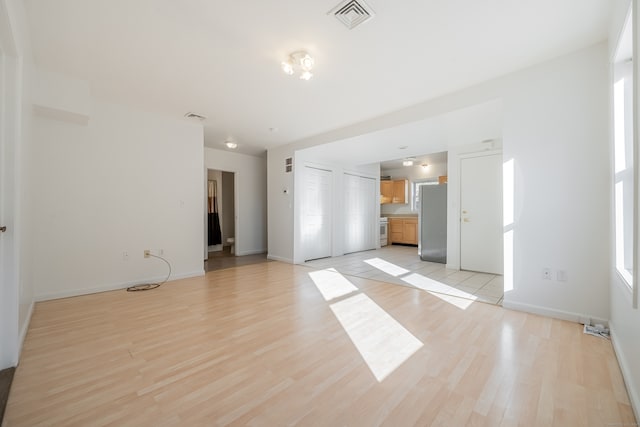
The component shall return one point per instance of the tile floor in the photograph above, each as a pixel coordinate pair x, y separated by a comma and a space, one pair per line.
401, 265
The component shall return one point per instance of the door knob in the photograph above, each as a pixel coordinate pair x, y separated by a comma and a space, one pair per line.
3, 229
465, 219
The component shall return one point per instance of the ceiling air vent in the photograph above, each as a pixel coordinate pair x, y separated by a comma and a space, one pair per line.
191, 115
352, 13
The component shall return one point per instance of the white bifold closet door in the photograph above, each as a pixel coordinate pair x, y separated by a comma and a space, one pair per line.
360, 221
316, 213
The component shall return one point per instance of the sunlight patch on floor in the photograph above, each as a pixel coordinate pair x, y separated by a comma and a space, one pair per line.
387, 267
462, 303
383, 343
331, 283
421, 282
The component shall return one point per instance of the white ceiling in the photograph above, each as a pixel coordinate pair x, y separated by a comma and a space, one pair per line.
222, 59
429, 159
462, 127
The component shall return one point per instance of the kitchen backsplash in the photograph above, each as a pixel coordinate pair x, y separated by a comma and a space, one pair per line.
390, 209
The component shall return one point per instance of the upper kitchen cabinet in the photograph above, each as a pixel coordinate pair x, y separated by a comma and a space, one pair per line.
386, 191
393, 191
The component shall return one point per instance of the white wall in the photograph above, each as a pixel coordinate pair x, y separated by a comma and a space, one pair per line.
411, 173
625, 320
280, 197
251, 197
555, 127
61, 97
125, 182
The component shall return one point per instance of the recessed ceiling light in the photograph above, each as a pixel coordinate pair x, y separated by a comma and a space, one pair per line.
231, 144
403, 147
408, 161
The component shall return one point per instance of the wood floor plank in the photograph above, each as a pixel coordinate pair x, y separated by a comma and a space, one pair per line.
259, 345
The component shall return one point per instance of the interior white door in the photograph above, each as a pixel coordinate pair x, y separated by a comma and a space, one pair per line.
360, 221
316, 213
9, 294
481, 247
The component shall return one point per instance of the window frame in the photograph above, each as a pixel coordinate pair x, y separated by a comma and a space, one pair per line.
624, 164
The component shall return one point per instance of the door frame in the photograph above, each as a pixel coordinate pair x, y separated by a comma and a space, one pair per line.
10, 137
459, 210
235, 209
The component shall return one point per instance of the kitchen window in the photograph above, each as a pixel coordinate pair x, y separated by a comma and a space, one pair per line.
415, 191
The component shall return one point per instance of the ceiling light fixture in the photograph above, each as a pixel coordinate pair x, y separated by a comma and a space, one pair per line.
424, 166
408, 161
231, 144
299, 61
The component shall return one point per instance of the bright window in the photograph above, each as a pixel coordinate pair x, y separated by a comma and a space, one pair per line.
415, 189
623, 155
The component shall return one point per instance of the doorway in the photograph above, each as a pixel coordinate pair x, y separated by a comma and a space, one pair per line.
481, 245
220, 230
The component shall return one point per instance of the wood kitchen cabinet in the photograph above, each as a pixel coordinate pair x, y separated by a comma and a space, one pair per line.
393, 191
403, 230
386, 192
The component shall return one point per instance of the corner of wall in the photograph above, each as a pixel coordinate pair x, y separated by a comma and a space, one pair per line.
625, 368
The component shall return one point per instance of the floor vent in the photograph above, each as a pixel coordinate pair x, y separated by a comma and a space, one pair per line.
352, 13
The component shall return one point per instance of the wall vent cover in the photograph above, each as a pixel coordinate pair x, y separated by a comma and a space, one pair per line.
191, 115
352, 13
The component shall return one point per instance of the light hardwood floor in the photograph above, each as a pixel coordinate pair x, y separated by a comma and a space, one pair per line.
268, 345
401, 265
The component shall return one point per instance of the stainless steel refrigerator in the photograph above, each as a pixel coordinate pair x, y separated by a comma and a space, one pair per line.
432, 223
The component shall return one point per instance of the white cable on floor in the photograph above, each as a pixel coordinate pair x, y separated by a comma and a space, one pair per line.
149, 286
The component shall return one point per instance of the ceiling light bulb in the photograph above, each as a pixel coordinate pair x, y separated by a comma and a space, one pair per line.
306, 62
287, 67
407, 163
306, 75
231, 144
424, 166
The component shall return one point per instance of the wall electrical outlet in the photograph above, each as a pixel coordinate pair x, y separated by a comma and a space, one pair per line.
147, 252
546, 273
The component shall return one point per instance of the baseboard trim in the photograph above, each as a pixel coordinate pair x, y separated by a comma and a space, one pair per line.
278, 258
251, 252
114, 286
550, 312
634, 396
25, 328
